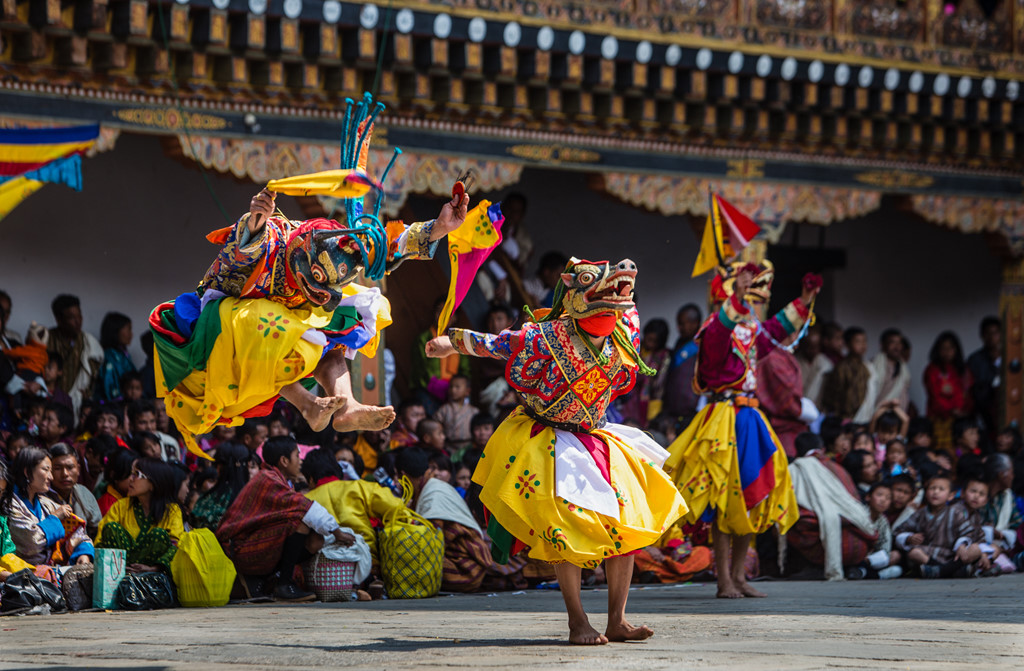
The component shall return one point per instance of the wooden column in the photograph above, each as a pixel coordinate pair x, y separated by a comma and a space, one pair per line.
1011, 307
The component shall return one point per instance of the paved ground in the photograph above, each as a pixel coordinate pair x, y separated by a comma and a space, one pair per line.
905, 624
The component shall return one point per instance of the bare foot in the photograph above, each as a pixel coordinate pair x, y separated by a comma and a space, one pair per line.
750, 591
728, 590
624, 631
320, 410
359, 417
584, 634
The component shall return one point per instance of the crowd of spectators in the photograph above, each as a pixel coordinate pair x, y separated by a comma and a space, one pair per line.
89, 460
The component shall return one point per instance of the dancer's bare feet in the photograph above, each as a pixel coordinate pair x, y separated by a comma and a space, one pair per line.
359, 417
747, 590
727, 589
583, 634
319, 410
624, 631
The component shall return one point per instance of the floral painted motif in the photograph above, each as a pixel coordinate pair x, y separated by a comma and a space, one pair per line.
556, 537
271, 325
527, 484
591, 386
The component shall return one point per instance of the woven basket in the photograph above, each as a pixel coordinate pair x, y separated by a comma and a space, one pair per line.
330, 579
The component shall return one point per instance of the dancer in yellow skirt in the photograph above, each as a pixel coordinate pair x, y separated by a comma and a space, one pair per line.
556, 478
729, 464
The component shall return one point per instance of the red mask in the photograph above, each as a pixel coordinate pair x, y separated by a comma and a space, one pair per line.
599, 325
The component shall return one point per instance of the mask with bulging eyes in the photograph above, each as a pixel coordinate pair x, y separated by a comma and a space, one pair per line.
593, 287
760, 292
322, 258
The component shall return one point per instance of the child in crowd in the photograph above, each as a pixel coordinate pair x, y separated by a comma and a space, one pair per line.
463, 479
895, 458
966, 437
349, 462
431, 434
51, 377
131, 387
16, 443
403, 432
941, 540
884, 562
457, 414
919, 433
147, 445
904, 491
974, 497
889, 423
442, 466
863, 468
863, 442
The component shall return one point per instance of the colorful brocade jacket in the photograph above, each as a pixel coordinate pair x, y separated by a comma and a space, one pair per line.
731, 342
256, 266
559, 379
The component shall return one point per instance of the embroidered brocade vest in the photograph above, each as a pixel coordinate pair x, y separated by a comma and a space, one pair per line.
560, 379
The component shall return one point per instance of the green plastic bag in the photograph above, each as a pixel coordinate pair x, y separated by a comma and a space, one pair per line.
109, 572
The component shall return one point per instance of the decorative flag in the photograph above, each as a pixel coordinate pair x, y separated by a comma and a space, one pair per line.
726, 232
468, 247
31, 157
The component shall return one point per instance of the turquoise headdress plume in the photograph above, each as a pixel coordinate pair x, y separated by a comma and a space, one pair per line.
365, 229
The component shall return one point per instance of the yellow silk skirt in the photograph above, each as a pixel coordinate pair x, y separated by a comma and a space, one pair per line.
517, 473
705, 467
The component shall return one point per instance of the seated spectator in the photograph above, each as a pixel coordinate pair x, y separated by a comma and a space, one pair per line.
834, 529
644, 402
278, 425
889, 423
270, 528
457, 413
863, 441
966, 437
142, 419
1009, 442
117, 474
431, 435
884, 562
1001, 517
44, 532
837, 439
94, 455
463, 478
16, 442
147, 445
974, 497
500, 316
10, 562
369, 446
232, 463
403, 432
941, 540
863, 468
115, 339
348, 461
67, 491
58, 422
919, 433
481, 428
132, 388
549, 273
147, 523
355, 504
51, 378
904, 493
429, 377
442, 467
895, 459
467, 556
200, 481
252, 434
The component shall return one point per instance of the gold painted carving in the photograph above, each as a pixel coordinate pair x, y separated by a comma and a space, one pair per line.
170, 119
899, 179
554, 153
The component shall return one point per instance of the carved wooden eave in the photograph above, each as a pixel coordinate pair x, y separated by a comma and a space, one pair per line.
899, 97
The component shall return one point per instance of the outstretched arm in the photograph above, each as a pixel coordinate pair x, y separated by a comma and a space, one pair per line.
464, 341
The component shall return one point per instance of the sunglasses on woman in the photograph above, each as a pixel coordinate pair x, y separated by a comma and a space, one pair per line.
139, 475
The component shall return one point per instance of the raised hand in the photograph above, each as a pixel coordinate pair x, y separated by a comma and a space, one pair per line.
261, 208
453, 214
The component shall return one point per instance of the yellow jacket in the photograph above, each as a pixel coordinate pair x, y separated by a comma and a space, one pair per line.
122, 513
354, 502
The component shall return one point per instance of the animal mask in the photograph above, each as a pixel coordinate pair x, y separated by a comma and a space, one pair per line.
323, 258
760, 292
593, 287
